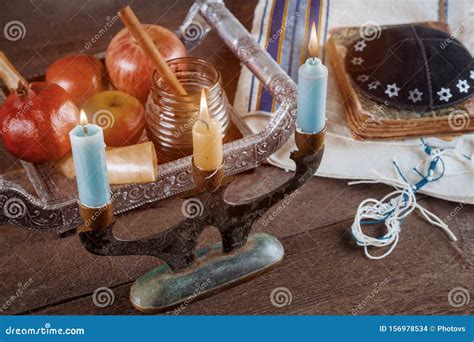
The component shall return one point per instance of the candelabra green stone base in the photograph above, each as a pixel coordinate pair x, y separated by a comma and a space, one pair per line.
161, 289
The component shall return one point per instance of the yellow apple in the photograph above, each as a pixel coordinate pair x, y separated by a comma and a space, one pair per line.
121, 116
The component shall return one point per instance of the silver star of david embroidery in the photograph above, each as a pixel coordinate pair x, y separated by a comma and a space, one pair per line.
392, 90
471, 74
374, 85
463, 86
363, 78
415, 95
360, 45
444, 94
357, 60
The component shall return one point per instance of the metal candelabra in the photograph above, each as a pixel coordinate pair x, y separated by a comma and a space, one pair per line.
190, 274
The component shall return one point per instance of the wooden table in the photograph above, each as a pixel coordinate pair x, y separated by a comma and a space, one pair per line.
323, 270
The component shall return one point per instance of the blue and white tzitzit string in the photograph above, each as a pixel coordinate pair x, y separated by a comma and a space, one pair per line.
397, 205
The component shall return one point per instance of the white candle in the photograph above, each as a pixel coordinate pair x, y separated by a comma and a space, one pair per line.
207, 139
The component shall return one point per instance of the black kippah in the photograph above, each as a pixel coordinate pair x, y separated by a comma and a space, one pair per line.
412, 67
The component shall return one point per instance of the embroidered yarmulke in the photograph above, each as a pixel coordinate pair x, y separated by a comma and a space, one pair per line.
411, 67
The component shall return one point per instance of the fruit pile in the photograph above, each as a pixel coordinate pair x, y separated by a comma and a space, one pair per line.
36, 118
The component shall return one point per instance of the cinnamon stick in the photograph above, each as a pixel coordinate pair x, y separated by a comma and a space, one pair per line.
135, 28
9, 74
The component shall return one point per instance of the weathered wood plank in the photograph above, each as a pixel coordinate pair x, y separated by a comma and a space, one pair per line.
327, 274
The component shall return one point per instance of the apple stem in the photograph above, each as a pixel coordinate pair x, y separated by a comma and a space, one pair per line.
22, 88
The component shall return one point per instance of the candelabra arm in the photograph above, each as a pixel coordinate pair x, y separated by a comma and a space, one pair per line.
236, 225
176, 245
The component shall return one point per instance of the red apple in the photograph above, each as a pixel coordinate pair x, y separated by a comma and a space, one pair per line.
121, 116
129, 67
36, 121
82, 76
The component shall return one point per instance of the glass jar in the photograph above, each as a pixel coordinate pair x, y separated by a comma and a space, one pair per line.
170, 117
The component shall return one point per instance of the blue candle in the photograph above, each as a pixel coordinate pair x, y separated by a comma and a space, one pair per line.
312, 91
88, 153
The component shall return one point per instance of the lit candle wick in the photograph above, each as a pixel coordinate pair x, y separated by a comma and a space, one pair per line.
313, 45
204, 112
83, 122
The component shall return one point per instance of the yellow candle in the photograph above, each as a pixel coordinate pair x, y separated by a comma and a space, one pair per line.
207, 139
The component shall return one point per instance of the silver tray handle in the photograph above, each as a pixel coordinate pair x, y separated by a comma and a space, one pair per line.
20, 208
194, 28
273, 77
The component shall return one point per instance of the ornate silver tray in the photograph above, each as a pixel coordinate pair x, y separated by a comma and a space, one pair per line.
48, 210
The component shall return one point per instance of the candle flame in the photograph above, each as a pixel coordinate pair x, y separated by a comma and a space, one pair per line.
204, 112
313, 45
83, 118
